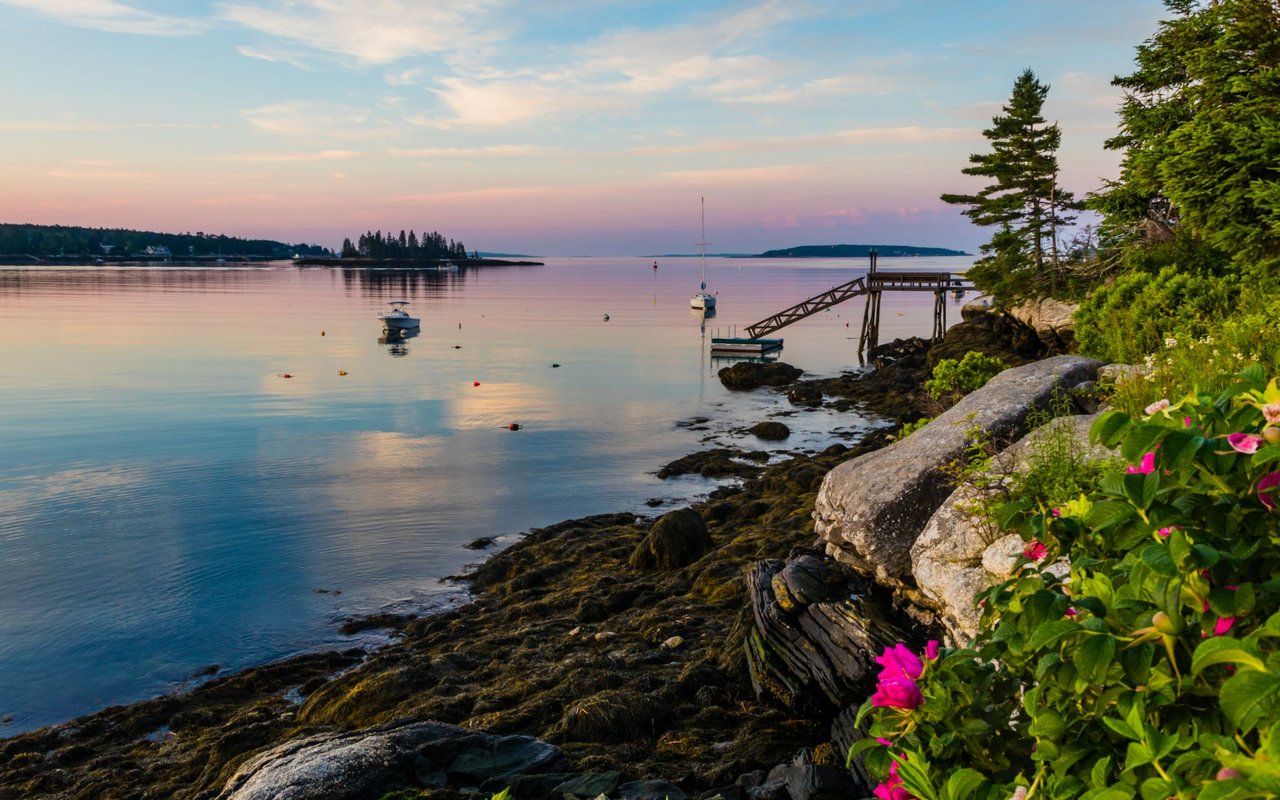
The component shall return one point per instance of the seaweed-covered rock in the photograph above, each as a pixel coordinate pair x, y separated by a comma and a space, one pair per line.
677, 539
614, 715
871, 509
718, 462
355, 765
747, 375
771, 430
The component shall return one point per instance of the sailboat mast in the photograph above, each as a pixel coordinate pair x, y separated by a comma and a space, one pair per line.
702, 259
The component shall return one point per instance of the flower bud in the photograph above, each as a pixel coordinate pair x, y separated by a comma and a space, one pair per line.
1227, 773
1163, 623
1271, 435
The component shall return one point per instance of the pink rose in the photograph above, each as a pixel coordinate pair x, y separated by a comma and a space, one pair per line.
1145, 467
1157, 407
1271, 411
897, 692
1223, 625
931, 650
1244, 442
1269, 481
899, 662
1034, 550
892, 789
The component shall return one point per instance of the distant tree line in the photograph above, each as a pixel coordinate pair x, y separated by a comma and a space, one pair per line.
52, 240
408, 247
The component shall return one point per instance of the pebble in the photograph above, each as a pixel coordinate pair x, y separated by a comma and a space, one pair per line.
672, 643
604, 636
576, 631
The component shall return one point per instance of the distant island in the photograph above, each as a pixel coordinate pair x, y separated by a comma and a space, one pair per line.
858, 251
23, 243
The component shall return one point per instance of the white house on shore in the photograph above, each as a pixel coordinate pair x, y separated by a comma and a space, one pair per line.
158, 250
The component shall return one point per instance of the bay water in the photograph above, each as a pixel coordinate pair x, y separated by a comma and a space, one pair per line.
171, 501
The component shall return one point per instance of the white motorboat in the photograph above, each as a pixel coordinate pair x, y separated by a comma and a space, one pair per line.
398, 318
703, 299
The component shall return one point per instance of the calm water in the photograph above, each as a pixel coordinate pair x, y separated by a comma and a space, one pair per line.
168, 501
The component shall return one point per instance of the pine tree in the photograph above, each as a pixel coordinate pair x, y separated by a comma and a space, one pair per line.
1024, 202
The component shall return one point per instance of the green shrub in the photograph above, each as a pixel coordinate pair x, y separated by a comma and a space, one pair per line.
1133, 316
911, 427
1148, 665
951, 379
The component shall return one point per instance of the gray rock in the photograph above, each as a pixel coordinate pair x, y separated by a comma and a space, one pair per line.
1052, 320
355, 765
1111, 373
677, 539
960, 553
747, 375
870, 510
649, 790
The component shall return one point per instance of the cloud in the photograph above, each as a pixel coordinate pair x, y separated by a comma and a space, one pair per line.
406, 77
821, 87
273, 55
110, 16
501, 150
913, 134
373, 32
288, 158
510, 102
303, 118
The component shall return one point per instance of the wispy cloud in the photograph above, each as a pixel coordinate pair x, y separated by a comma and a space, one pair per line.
304, 118
111, 16
288, 158
77, 125
273, 55
501, 150
908, 135
372, 31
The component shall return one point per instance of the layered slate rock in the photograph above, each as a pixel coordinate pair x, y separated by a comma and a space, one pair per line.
677, 539
870, 510
356, 765
819, 647
960, 553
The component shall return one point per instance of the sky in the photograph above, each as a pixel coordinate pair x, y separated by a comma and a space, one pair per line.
555, 127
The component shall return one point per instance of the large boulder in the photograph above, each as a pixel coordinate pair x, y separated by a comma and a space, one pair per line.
357, 765
677, 539
1052, 320
752, 375
961, 552
870, 510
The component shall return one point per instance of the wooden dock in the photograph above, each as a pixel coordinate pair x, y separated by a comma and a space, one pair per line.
872, 286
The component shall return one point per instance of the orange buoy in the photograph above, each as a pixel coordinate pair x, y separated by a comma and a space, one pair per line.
285, 375
476, 383
515, 426
342, 372
322, 333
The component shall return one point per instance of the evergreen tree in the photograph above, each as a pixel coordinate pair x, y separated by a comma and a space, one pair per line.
1200, 131
1024, 202
348, 249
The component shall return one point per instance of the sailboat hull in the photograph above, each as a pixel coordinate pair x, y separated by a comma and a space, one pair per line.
702, 300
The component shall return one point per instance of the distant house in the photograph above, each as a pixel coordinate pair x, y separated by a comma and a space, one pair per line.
107, 248
158, 250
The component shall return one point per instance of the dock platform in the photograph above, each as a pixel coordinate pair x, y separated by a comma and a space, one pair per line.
744, 346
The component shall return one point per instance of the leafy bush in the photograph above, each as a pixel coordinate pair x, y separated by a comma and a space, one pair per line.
1136, 653
911, 427
1133, 316
953, 379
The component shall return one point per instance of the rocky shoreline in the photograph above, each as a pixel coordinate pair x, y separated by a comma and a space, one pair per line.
638, 649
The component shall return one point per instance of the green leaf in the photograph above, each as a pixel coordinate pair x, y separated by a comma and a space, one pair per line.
1266, 455
1156, 789
1108, 513
1051, 633
1224, 650
1157, 557
963, 783
1094, 656
1101, 769
1248, 696
1109, 428
1141, 489
858, 748
1141, 440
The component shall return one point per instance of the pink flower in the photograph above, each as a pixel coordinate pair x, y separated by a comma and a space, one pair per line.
1223, 625
1055, 512
1269, 481
1145, 467
899, 662
892, 789
931, 650
1271, 411
885, 742
1244, 442
1034, 550
897, 692
1186, 422
1157, 407
1071, 612
1164, 532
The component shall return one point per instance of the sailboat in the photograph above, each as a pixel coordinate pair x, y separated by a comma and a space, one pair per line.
703, 299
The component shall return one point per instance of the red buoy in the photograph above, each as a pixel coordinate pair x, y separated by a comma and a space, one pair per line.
515, 426
285, 375
477, 383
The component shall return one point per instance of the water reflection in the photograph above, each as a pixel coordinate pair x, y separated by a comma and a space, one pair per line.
395, 340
